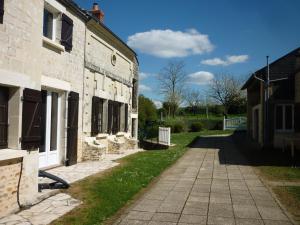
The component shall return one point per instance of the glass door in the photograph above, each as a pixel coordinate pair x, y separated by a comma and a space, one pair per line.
49, 149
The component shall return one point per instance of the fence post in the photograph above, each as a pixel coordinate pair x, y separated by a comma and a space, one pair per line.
224, 123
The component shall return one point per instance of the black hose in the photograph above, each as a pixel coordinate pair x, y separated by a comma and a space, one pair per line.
19, 183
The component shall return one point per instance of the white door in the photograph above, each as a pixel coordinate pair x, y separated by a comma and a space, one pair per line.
49, 150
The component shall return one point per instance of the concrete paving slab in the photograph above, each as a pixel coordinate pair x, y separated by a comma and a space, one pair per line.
208, 186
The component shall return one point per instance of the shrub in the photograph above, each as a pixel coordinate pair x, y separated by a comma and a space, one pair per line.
219, 125
196, 126
177, 127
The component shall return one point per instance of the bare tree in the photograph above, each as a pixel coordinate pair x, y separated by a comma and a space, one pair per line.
193, 99
226, 90
172, 80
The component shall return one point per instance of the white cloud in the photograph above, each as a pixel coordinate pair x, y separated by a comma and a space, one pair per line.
143, 75
230, 59
214, 62
200, 77
157, 103
237, 58
169, 43
144, 88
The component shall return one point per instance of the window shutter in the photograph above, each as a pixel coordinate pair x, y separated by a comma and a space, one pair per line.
72, 131
95, 113
126, 118
297, 117
31, 119
110, 116
66, 32
1, 10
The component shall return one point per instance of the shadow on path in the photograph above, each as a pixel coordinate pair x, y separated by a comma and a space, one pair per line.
238, 149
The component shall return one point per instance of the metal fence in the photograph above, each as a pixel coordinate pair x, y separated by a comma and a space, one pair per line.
237, 123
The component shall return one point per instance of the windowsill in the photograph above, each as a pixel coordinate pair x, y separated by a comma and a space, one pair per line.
6, 154
53, 44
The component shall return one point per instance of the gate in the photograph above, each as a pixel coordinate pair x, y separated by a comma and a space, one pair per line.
238, 123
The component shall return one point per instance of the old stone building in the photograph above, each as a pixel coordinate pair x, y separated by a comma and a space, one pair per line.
68, 92
110, 87
275, 121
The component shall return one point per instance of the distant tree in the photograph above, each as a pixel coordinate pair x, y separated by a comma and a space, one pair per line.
170, 108
226, 89
147, 111
172, 80
193, 99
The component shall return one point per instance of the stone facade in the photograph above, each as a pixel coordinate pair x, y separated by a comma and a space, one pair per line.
110, 71
10, 172
278, 118
99, 64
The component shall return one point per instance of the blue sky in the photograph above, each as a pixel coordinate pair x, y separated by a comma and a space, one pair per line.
210, 36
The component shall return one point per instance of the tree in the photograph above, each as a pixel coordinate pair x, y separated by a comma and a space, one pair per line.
226, 90
193, 99
147, 111
172, 80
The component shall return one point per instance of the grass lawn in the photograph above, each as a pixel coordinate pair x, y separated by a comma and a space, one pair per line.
283, 173
290, 197
105, 193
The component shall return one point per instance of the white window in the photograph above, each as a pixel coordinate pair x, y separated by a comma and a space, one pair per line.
52, 20
284, 117
49, 25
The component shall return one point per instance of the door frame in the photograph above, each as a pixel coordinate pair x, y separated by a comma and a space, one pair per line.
51, 158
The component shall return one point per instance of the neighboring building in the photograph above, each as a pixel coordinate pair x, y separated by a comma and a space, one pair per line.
282, 118
110, 84
49, 49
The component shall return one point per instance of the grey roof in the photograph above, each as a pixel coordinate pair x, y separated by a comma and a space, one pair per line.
284, 67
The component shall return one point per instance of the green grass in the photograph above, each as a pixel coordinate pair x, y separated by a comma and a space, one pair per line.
290, 198
104, 194
280, 173
295, 191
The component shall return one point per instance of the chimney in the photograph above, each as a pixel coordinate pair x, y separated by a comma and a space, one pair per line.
97, 12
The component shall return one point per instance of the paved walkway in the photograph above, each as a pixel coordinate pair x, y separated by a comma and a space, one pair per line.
207, 186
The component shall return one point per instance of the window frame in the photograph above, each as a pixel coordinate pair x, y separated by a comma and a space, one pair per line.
57, 10
284, 105
55, 14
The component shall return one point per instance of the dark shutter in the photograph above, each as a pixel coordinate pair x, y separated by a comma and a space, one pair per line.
1, 10
297, 117
116, 117
110, 117
3, 117
126, 118
67, 32
97, 112
31, 119
72, 131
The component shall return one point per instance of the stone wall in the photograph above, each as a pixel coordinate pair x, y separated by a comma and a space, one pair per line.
20, 42
10, 171
99, 52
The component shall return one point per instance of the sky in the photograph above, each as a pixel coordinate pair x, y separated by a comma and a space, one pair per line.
210, 36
